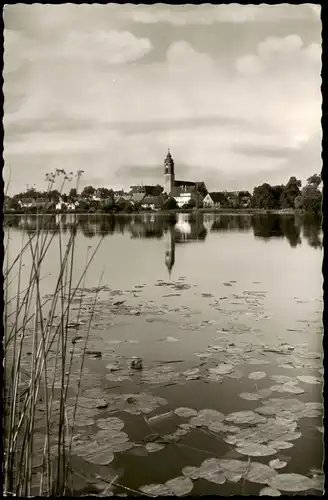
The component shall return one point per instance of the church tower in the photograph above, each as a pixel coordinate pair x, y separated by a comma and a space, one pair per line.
168, 173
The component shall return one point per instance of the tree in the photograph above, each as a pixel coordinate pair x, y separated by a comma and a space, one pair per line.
124, 206
314, 180
276, 192
290, 193
72, 195
169, 204
105, 193
88, 192
263, 196
54, 195
157, 190
191, 204
310, 199
11, 204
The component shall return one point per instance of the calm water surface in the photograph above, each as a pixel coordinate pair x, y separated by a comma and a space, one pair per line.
247, 285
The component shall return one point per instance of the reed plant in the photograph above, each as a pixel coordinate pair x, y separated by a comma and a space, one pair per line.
40, 358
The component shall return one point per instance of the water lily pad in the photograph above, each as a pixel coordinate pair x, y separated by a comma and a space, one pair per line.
290, 482
93, 452
155, 489
256, 450
113, 367
309, 379
269, 492
281, 379
180, 486
205, 417
256, 375
275, 405
259, 473
290, 387
280, 445
292, 436
249, 396
222, 369
160, 375
191, 472
244, 417
112, 423
185, 412
153, 447
277, 464
213, 476
233, 470
255, 361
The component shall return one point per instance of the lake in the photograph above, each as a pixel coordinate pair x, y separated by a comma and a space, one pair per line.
225, 312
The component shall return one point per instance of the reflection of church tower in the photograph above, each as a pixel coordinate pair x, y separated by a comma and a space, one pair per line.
169, 249
168, 173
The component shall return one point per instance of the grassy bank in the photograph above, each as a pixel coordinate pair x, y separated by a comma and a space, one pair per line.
226, 211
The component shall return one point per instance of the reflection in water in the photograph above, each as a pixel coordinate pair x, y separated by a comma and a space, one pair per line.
181, 227
169, 249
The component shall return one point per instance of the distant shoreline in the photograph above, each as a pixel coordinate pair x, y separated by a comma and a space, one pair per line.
225, 211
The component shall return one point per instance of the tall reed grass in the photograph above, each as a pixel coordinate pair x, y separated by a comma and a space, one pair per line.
40, 359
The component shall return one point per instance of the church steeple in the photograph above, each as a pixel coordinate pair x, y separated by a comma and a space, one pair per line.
168, 163
168, 173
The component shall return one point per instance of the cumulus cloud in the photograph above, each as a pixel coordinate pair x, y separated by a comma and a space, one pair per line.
280, 53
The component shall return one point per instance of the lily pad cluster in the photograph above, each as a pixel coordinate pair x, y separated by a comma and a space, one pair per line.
221, 470
178, 486
100, 448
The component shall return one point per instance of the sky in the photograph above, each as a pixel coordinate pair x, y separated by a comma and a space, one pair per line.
233, 90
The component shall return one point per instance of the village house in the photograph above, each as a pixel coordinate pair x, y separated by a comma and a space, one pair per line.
185, 195
66, 205
36, 204
232, 198
26, 202
122, 196
152, 202
213, 200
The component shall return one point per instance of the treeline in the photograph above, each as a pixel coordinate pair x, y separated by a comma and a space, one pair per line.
91, 199
292, 195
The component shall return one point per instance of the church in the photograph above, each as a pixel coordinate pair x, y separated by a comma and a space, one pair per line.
182, 191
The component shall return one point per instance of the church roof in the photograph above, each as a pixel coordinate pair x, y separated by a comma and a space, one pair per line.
137, 197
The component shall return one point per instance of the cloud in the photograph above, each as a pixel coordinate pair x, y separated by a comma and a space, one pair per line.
281, 53
80, 96
107, 47
262, 150
209, 14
